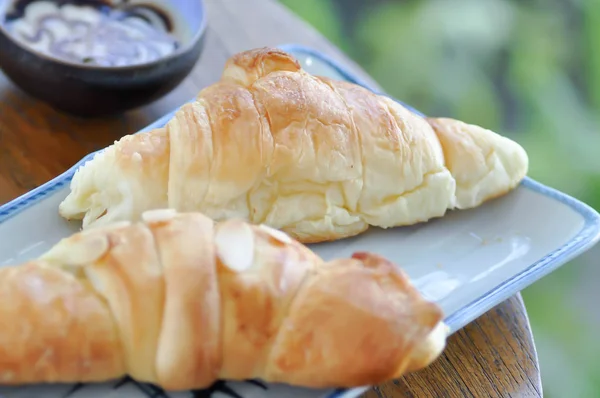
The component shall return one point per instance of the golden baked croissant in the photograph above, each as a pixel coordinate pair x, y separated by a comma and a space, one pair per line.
317, 158
179, 301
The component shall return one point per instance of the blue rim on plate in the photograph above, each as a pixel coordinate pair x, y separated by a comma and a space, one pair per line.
582, 241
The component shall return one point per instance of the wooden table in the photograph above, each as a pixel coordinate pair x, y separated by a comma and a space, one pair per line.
492, 357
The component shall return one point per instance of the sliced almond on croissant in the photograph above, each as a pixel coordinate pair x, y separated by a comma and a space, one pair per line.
158, 216
234, 242
79, 250
276, 234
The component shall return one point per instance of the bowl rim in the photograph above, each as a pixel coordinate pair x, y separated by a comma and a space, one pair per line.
177, 53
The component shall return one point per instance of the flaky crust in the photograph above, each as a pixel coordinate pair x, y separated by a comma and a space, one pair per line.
54, 328
317, 158
178, 301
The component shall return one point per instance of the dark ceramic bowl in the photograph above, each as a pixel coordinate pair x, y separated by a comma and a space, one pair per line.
91, 90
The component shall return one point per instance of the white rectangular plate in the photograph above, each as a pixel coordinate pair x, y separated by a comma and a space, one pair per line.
467, 261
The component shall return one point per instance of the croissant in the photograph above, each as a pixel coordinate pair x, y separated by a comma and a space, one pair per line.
317, 158
179, 301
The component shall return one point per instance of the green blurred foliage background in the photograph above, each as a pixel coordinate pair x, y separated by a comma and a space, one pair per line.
529, 69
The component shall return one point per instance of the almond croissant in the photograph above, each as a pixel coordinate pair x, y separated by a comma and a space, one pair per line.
179, 301
319, 159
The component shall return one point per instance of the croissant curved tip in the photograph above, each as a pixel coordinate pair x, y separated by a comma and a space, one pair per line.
430, 349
